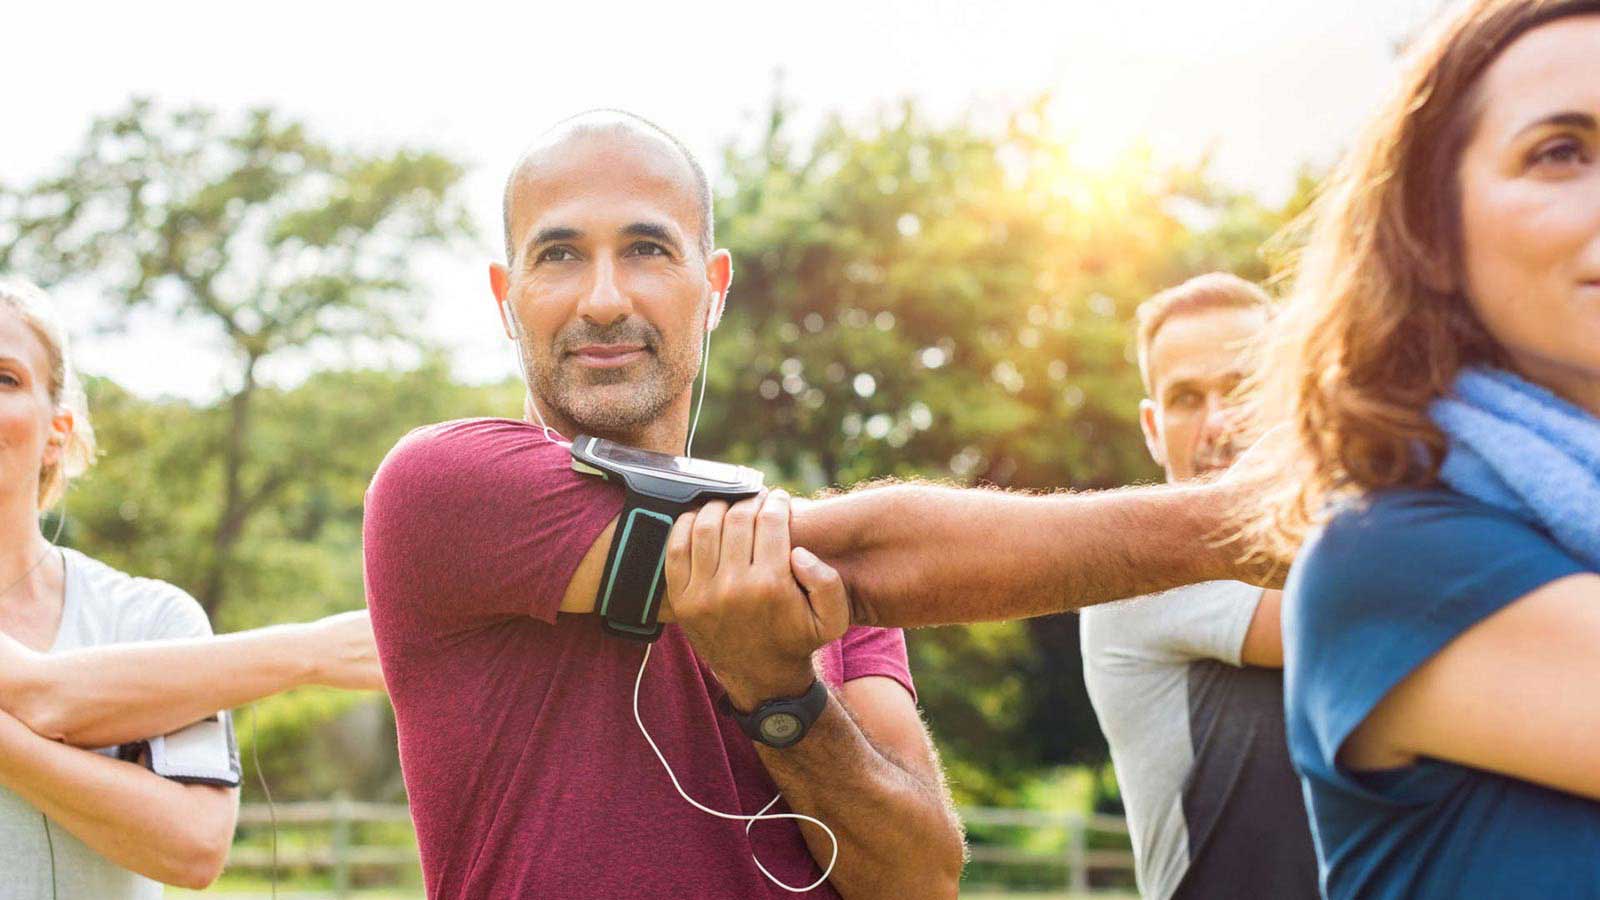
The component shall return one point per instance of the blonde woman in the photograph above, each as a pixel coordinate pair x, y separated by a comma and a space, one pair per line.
157, 802
1439, 363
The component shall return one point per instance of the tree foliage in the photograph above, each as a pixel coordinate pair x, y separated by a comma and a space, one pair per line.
917, 299
276, 241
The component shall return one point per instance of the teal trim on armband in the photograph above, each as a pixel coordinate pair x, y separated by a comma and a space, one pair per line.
616, 565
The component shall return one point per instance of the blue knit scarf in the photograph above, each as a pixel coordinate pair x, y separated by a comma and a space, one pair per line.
1516, 446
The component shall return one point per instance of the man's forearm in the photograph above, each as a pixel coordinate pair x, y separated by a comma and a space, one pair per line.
897, 836
919, 554
174, 833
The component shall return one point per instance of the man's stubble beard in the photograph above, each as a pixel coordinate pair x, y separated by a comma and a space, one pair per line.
612, 401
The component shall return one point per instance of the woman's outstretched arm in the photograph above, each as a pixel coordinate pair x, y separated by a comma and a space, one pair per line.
116, 693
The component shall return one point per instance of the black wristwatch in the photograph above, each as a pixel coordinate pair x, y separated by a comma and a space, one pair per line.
783, 722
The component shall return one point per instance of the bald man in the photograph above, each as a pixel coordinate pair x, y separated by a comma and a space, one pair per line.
527, 773
525, 767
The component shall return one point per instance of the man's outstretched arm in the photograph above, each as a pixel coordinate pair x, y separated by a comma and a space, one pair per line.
919, 554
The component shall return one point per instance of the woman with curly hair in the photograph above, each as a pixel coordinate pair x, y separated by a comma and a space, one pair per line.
1439, 364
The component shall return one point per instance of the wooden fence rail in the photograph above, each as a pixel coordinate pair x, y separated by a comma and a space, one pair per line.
341, 854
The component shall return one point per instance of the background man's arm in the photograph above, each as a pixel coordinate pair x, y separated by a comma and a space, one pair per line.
117, 693
1263, 642
918, 554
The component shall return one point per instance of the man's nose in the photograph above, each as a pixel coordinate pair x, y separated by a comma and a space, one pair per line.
1219, 420
604, 302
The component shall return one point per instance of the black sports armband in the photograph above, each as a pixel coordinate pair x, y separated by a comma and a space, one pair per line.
659, 487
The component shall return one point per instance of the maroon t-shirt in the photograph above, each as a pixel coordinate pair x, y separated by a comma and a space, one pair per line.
526, 772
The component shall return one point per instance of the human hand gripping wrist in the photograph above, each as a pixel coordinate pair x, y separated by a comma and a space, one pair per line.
753, 607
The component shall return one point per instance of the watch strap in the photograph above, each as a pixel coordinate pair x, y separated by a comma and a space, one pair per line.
807, 708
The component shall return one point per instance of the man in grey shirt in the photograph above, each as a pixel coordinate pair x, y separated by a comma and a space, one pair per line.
1188, 685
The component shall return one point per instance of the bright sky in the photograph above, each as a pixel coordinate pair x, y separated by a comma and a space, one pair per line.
1263, 84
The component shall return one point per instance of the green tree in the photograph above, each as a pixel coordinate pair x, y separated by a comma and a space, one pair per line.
276, 241
300, 556
916, 299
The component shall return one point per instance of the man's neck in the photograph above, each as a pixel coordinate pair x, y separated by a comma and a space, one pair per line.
667, 433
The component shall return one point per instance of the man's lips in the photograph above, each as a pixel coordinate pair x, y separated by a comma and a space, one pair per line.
607, 356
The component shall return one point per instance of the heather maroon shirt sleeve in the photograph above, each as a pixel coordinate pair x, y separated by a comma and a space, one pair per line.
865, 651
474, 522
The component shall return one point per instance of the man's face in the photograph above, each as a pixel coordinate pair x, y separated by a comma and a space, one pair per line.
607, 280
1195, 361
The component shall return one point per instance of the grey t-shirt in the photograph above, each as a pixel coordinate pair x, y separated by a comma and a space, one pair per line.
102, 606
1197, 740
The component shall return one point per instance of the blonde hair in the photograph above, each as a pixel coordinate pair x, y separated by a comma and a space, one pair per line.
1213, 290
1378, 324
39, 314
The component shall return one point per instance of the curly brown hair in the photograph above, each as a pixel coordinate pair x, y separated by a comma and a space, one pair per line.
1377, 324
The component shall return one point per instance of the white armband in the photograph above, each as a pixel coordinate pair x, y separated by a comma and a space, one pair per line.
203, 753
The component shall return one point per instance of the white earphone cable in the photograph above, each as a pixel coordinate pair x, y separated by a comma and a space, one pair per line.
705, 376
749, 821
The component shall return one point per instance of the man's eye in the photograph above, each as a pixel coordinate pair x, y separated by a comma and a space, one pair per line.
9, 380
557, 254
1184, 400
647, 248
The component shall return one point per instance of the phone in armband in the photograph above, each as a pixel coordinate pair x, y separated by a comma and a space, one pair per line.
660, 487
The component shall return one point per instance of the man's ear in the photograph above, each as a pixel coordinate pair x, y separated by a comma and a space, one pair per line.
500, 284
1152, 431
719, 275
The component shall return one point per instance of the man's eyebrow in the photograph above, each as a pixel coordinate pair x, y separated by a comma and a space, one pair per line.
550, 235
1580, 120
651, 230
1191, 380
1171, 387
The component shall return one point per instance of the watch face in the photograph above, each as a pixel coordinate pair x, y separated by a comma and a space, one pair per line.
780, 727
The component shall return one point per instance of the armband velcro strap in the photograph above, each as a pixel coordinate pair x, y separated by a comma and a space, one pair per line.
634, 581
